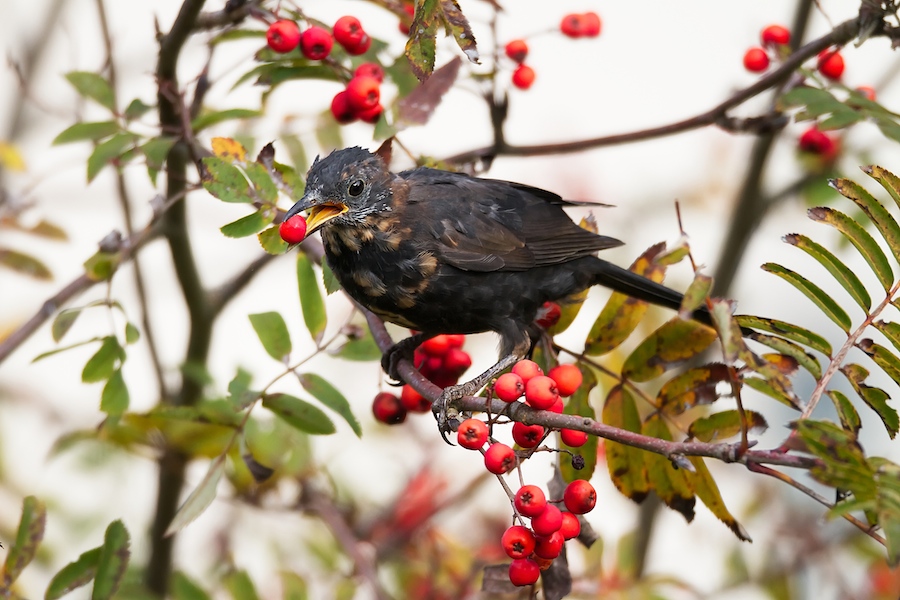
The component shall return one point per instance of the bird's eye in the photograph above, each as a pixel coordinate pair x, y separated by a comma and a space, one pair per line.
356, 187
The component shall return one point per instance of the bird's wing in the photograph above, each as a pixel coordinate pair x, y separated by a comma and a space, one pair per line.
489, 225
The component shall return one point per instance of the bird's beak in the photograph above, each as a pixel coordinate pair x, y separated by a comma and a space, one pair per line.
320, 211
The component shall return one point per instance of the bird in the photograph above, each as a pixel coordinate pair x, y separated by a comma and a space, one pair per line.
442, 252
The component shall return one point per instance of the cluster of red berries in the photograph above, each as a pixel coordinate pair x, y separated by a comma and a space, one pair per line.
442, 360
293, 230
773, 37
361, 99
572, 25
533, 549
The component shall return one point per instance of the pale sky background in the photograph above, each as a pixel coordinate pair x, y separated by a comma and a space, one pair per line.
655, 62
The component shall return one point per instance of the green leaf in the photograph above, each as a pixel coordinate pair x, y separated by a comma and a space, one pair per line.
24, 264
156, 150
102, 364
240, 586
421, 45
200, 498
271, 242
63, 323
86, 131
74, 575
803, 358
846, 411
249, 224
325, 393
887, 504
102, 265
874, 397
132, 333
860, 238
705, 487
114, 399
360, 348
844, 463
694, 387
876, 211
695, 296
109, 151
311, 302
840, 120
579, 404
669, 483
456, 23
720, 426
208, 119
817, 101
28, 538
288, 180
889, 181
265, 188
772, 389
891, 331
331, 282
622, 314
814, 293
136, 109
882, 357
93, 86
627, 469
293, 586
841, 272
299, 414
224, 181
673, 343
273, 333
183, 588
114, 555
788, 331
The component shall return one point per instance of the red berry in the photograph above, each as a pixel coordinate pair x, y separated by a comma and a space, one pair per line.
571, 526
816, 142
283, 36
371, 115
413, 401
541, 392
457, 340
472, 434
568, 378
831, 64
548, 315
572, 25
436, 346
293, 230
548, 521
349, 33
388, 409
518, 542
404, 24
363, 93
549, 546
579, 497
499, 458
524, 571
457, 361
557, 407
526, 369
341, 109
530, 500
509, 387
866, 92
775, 35
523, 77
527, 436
370, 69
316, 43
573, 438
590, 24
756, 60
517, 50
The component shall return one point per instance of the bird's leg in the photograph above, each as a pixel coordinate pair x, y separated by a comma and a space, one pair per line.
445, 414
402, 349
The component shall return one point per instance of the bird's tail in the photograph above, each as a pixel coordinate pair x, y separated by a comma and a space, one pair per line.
636, 286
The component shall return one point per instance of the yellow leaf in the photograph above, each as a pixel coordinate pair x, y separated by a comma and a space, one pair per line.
10, 157
228, 149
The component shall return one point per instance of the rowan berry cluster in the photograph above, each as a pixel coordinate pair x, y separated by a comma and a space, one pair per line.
540, 526
361, 98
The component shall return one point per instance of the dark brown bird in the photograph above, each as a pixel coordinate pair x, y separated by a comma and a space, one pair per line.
443, 252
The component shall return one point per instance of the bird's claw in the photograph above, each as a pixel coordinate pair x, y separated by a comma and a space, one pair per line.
447, 415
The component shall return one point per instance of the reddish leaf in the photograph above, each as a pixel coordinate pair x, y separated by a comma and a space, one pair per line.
692, 388
418, 106
674, 343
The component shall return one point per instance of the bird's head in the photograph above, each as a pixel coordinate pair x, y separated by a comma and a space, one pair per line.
344, 188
